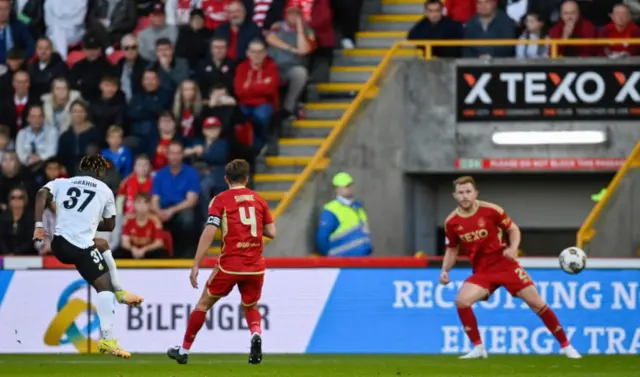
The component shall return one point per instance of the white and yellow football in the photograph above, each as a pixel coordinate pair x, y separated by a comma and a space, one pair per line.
573, 260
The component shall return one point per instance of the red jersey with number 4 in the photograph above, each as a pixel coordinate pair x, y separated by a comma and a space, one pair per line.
241, 215
480, 234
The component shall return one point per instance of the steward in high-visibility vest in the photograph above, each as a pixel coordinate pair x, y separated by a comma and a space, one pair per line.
343, 229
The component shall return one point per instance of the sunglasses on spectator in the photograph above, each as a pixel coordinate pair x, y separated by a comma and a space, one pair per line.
130, 48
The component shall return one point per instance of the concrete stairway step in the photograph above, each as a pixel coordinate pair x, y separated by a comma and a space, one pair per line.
333, 90
403, 6
347, 74
324, 110
313, 128
379, 39
368, 56
299, 146
274, 182
392, 22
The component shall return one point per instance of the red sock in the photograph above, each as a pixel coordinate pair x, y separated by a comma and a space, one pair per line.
470, 324
196, 320
551, 321
253, 320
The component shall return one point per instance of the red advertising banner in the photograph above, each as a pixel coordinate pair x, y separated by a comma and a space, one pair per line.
560, 164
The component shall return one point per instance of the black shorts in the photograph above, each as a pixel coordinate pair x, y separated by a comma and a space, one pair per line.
88, 262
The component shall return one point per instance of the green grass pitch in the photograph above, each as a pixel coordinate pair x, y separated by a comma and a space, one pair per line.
318, 366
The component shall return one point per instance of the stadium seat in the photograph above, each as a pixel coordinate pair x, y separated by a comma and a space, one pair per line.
74, 57
168, 242
143, 22
115, 57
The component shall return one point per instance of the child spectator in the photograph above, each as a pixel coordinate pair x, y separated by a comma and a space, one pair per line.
119, 155
53, 169
140, 181
534, 26
187, 108
142, 235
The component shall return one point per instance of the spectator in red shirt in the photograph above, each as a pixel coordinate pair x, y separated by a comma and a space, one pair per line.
140, 181
573, 26
621, 27
168, 133
256, 86
142, 234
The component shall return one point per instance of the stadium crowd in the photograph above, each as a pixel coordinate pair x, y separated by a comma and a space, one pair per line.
170, 91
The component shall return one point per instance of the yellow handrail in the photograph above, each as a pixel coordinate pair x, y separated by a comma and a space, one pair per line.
335, 133
319, 157
586, 232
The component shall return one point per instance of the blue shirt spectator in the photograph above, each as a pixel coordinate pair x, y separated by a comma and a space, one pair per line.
173, 188
119, 155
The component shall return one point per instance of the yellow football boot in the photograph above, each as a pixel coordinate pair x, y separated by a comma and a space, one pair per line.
128, 298
111, 347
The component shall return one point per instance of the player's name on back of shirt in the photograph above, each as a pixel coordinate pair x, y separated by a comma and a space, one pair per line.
83, 182
244, 198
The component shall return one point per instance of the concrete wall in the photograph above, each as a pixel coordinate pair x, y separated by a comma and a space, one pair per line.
618, 227
434, 139
370, 152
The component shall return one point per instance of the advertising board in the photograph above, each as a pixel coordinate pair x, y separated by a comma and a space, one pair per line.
324, 311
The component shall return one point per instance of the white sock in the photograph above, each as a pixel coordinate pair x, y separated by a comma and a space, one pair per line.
107, 312
183, 351
113, 270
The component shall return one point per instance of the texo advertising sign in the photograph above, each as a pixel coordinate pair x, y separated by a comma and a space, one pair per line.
548, 92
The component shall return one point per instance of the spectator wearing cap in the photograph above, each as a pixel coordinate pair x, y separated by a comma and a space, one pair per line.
434, 26
131, 68
15, 63
13, 34
171, 70
144, 109
193, 40
175, 196
209, 154
111, 20
47, 66
157, 29
37, 141
290, 42
13, 108
75, 142
256, 86
65, 20
489, 23
343, 230
217, 68
621, 27
87, 74
110, 108
239, 31
573, 26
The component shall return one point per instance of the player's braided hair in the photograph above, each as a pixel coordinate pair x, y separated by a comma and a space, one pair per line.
95, 164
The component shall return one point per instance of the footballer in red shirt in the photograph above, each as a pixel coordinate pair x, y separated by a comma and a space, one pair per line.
244, 218
477, 227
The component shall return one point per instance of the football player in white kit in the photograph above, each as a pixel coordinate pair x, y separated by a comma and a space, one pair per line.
81, 202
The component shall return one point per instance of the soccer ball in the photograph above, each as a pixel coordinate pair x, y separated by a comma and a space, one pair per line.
573, 260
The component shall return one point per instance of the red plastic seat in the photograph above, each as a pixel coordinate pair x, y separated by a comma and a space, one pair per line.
74, 57
143, 22
115, 57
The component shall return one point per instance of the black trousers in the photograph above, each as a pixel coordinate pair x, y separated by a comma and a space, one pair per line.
347, 16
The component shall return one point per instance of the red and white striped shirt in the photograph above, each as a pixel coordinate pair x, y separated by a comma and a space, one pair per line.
260, 9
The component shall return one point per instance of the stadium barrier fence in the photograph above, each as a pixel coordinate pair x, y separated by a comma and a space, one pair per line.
327, 310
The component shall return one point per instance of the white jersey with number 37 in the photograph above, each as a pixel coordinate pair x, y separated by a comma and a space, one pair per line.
81, 203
